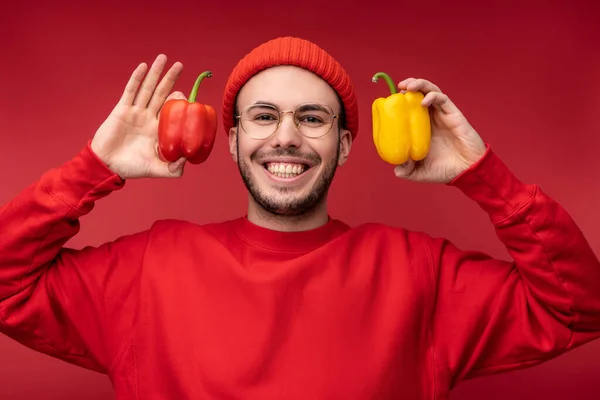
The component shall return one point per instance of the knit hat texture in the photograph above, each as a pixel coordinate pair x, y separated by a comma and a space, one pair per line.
297, 52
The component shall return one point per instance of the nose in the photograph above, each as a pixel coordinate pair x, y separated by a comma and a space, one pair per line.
287, 134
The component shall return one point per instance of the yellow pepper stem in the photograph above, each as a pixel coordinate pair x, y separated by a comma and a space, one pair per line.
388, 80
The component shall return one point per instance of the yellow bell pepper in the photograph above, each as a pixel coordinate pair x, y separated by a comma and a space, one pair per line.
401, 125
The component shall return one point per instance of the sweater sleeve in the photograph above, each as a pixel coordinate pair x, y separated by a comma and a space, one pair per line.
493, 316
75, 305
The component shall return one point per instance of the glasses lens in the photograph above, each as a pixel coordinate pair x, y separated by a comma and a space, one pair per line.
259, 120
314, 120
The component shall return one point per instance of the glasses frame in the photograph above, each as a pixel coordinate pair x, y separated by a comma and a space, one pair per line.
335, 116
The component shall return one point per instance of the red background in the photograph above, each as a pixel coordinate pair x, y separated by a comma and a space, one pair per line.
527, 76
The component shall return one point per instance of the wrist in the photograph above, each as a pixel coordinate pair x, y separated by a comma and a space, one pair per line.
469, 158
474, 152
96, 149
101, 157
471, 165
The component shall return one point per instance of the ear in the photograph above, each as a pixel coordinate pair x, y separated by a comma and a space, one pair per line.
232, 143
345, 145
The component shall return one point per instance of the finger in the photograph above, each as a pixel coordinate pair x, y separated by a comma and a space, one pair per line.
133, 84
166, 85
177, 95
403, 84
421, 85
439, 100
165, 169
147, 89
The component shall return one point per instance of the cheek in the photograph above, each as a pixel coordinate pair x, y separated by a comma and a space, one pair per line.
246, 149
327, 151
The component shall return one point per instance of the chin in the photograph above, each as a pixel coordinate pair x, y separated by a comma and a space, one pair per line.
289, 206
287, 187
287, 196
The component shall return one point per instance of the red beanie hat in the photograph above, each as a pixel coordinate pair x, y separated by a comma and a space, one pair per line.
300, 53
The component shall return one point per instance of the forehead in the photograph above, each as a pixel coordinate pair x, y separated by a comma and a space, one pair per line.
286, 87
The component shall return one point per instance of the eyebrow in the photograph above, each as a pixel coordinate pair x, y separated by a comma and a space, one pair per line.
266, 103
305, 107
313, 107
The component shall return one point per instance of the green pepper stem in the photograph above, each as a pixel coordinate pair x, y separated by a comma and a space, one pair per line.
391, 85
194, 93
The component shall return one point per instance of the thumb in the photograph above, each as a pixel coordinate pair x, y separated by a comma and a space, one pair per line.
165, 169
406, 170
175, 169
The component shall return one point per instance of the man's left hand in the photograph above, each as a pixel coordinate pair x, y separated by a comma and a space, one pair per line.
455, 145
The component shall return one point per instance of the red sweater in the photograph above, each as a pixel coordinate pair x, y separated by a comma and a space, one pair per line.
235, 311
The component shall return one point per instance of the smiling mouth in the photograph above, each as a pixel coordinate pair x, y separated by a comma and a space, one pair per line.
286, 170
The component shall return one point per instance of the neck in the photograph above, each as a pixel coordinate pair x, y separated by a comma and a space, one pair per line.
312, 219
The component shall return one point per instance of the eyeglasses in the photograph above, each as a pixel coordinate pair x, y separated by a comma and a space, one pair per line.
261, 120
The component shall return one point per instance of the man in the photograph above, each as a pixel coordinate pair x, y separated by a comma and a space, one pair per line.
286, 302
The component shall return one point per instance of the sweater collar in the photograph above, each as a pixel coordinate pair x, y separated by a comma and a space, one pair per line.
300, 241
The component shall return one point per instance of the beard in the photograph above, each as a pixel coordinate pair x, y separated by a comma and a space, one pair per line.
285, 203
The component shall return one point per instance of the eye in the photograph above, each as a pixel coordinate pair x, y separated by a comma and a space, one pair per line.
265, 117
311, 120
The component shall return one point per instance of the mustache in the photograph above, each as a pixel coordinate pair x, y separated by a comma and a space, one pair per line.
290, 152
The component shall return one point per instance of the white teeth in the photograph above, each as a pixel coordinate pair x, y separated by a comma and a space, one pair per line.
284, 170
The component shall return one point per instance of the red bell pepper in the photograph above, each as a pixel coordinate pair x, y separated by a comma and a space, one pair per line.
187, 128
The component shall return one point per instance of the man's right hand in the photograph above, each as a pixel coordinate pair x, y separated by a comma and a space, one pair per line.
127, 142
